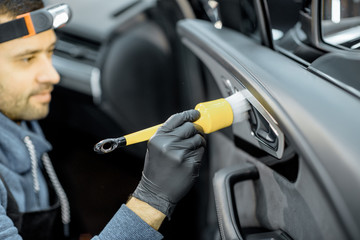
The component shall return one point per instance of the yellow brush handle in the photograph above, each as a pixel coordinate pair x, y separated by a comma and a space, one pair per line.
142, 135
214, 115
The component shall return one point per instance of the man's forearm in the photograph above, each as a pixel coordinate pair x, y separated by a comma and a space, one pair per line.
150, 215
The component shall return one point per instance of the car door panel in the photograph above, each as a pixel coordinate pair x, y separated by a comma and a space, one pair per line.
320, 202
124, 67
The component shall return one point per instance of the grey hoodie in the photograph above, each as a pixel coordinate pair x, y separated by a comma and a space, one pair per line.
15, 163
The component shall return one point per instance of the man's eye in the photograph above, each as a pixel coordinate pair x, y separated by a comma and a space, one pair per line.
28, 59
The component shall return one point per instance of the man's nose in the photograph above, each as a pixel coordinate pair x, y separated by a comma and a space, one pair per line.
47, 72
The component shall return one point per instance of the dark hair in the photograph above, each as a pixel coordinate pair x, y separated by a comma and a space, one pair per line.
14, 8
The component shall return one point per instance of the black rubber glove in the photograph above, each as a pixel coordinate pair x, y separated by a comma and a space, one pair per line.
172, 162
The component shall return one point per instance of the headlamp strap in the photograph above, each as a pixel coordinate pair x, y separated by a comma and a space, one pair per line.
14, 29
29, 24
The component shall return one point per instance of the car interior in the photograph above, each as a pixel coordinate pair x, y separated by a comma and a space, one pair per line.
290, 171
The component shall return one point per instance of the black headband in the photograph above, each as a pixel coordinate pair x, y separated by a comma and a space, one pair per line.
31, 23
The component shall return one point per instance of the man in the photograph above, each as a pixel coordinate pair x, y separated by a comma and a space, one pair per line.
29, 189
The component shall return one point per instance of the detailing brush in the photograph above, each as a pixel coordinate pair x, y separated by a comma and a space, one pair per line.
214, 115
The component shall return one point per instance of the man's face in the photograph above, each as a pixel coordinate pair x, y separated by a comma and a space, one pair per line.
27, 76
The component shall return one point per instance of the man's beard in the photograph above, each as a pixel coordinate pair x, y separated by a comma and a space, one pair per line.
21, 108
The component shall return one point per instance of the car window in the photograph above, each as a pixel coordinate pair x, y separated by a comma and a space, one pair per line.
282, 21
241, 16
341, 23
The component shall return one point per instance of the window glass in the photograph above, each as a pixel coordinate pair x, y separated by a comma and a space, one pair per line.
240, 15
341, 23
290, 26
283, 16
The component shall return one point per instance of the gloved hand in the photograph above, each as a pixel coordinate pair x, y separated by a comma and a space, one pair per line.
172, 162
